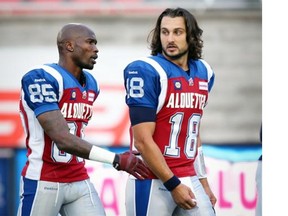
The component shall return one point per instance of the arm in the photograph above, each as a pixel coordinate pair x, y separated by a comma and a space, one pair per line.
149, 150
200, 169
208, 190
153, 157
56, 128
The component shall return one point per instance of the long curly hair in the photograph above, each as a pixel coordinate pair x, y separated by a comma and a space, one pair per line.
194, 33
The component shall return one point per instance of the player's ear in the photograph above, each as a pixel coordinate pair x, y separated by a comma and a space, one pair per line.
69, 46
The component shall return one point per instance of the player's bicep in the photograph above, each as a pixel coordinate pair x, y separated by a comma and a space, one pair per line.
143, 134
54, 125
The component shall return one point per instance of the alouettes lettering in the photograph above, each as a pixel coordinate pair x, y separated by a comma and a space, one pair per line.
77, 110
186, 100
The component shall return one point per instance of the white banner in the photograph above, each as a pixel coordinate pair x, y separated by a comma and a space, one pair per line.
233, 184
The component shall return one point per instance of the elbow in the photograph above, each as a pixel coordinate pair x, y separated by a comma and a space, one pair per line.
139, 146
59, 138
61, 145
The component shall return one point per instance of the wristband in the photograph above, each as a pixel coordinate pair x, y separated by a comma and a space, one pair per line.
172, 183
101, 155
116, 161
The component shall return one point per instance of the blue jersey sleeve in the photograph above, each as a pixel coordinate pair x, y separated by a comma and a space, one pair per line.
41, 91
206, 72
142, 85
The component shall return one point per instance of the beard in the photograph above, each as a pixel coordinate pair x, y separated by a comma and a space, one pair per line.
177, 56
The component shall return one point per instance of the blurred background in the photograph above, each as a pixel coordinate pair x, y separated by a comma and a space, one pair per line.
231, 122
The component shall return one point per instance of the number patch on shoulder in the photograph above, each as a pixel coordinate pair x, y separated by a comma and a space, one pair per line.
40, 93
135, 87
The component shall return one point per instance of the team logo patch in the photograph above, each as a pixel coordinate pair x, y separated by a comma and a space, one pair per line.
84, 95
73, 95
91, 96
203, 86
191, 82
177, 84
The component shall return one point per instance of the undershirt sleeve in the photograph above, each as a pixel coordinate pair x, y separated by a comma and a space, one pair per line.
142, 114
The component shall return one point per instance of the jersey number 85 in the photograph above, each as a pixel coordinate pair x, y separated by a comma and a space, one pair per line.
40, 93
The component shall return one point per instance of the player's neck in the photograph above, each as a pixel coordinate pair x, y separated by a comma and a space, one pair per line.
182, 61
73, 69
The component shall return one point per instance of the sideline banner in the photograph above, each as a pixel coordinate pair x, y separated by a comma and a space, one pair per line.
232, 182
6, 181
231, 178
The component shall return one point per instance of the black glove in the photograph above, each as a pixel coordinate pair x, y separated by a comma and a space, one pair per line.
128, 162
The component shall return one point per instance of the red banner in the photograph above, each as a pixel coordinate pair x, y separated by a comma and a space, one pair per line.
11, 130
109, 125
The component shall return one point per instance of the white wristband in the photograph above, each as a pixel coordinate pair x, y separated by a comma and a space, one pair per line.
101, 155
199, 164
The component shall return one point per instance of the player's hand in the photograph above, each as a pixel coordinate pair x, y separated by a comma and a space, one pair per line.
184, 197
133, 165
208, 191
211, 195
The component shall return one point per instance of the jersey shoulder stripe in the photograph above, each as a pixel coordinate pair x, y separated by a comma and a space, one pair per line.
163, 80
210, 72
53, 72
